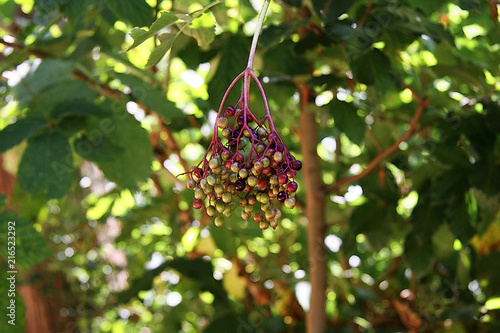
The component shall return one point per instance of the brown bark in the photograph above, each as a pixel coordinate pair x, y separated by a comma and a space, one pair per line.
315, 213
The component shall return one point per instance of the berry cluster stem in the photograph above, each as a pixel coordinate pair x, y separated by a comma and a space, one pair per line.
256, 34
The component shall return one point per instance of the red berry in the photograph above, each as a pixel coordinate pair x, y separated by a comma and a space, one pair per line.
251, 200
197, 203
230, 110
258, 217
239, 158
290, 173
282, 178
266, 170
240, 120
198, 172
261, 184
291, 187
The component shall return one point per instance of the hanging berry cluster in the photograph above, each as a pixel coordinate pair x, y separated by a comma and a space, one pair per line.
250, 164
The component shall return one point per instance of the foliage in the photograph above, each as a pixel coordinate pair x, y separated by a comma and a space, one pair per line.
105, 103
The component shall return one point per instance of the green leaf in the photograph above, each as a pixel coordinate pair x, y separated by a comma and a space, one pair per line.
160, 51
469, 5
203, 35
233, 62
460, 217
47, 165
224, 240
49, 73
134, 165
3, 201
276, 33
330, 10
374, 221
20, 130
196, 269
22, 242
372, 67
48, 6
96, 147
418, 253
153, 97
76, 107
136, 12
282, 59
140, 35
221, 323
47, 103
348, 121
425, 218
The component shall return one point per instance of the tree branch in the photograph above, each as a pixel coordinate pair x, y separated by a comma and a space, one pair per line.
315, 213
422, 104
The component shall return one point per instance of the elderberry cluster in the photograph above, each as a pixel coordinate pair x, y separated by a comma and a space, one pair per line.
252, 167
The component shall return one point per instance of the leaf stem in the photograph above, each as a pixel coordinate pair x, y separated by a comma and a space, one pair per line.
256, 34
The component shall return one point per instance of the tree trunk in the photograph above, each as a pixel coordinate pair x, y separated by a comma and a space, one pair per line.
315, 213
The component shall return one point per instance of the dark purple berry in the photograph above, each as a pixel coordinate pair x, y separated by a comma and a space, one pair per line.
239, 185
282, 196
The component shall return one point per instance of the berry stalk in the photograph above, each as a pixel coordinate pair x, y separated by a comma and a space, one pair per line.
250, 164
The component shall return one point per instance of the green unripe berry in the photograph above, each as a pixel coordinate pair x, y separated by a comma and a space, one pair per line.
211, 180
220, 206
243, 143
290, 203
214, 162
233, 177
263, 225
248, 208
278, 156
199, 194
222, 122
274, 223
203, 183
264, 198
247, 133
227, 212
211, 210
270, 214
218, 221
235, 167
265, 207
245, 215
261, 132
265, 162
243, 173
191, 184
227, 197
226, 132
225, 155
219, 189
252, 181
273, 180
